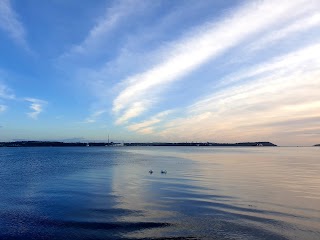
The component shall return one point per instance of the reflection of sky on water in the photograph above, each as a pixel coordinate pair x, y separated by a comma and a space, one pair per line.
273, 183
227, 193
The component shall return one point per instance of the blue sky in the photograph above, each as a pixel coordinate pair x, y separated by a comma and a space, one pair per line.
218, 71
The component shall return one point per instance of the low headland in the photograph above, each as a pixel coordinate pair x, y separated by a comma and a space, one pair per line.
114, 144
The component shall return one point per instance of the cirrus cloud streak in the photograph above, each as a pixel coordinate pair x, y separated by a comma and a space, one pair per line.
36, 107
274, 103
199, 47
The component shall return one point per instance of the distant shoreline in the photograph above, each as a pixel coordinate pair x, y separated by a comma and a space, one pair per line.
113, 144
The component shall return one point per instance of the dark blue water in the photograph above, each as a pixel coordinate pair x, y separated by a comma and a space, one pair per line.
207, 193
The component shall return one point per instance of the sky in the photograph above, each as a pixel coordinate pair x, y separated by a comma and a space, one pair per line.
140, 70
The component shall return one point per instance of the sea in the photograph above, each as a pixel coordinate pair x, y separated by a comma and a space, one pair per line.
204, 193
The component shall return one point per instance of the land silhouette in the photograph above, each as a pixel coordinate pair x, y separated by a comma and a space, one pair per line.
101, 144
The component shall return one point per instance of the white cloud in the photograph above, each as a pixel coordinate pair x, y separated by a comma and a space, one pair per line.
36, 106
144, 124
131, 55
272, 106
290, 79
145, 127
302, 60
135, 110
9, 22
200, 46
302, 24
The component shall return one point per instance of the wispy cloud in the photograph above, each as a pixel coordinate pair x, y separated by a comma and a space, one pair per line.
141, 91
302, 60
2, 108
141, 46
302, 24
147, 126
36, 106
270, 104
10, 23
94, 116
6, 92
96, 39
135, 110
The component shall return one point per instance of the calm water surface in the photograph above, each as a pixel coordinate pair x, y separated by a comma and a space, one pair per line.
207, 193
